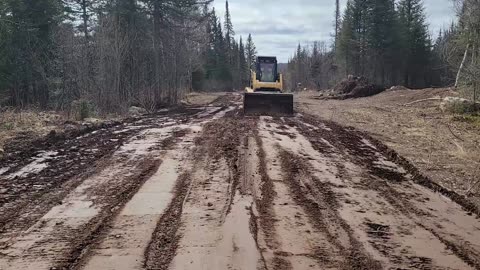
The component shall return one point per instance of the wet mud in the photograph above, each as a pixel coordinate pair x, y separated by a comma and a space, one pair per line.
208, 188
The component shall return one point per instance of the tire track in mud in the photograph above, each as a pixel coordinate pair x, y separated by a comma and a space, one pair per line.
321, 207
135, 248
386, 238
27, 196
165, 239
350, 136
59, 237
63, 242
266, 216
247, 193
87, 209
296, 241
121, 245
203, 223
89, 234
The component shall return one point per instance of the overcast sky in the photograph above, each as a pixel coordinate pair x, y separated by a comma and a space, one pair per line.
277, 26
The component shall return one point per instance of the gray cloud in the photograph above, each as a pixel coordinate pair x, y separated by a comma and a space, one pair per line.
277, 26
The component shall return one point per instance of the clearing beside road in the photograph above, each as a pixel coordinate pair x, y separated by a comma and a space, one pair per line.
204, 187
445, 147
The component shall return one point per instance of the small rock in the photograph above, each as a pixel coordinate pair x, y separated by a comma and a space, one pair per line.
209, 204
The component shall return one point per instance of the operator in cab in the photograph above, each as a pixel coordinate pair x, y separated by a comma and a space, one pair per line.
267, 72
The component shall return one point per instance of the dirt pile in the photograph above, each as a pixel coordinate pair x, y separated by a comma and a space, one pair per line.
356, 87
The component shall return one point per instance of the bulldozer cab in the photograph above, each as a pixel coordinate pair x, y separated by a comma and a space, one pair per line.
267, 69
265, 96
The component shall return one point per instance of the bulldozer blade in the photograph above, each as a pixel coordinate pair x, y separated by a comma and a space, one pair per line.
268, 104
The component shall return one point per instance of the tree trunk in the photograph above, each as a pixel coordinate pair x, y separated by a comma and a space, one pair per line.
85, 19
461, 66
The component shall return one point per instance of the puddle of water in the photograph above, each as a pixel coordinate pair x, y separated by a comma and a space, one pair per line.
208, 111
128, 129
148, 139
223, 113
328, 143
368, 143
39, 163
324, 127
4, 170
156, 193
383, 163
78, 208
311, 126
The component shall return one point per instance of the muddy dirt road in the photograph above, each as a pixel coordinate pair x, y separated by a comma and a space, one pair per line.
207, 188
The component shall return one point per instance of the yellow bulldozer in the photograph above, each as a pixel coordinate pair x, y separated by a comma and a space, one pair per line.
266, 96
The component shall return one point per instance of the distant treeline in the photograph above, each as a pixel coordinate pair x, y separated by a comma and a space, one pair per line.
389, 43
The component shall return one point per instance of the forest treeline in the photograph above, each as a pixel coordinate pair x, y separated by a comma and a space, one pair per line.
113, 54
389, 43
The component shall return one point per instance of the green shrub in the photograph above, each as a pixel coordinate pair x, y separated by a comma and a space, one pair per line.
82, 109
459, 105
7, 126
468, 118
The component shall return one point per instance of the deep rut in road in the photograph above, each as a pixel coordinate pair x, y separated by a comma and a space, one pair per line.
207, 188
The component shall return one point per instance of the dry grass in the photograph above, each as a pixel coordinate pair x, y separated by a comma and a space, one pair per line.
27, 122
443, 146
201, 99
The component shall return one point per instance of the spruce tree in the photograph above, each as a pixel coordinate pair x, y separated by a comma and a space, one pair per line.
347, 52
243, 66
228, 25
230, 50
337, 22
30, 61
211, 63
5, 35
381, 36
224, 73
415, 42
250, 52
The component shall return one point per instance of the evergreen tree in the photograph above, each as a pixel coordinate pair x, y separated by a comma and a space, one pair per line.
224, 73
415, 42
5, 35
316, 66
368, 42
211, 49
337, 21
348, 44
230, 48
225, 63
81, 10
382, 39
243, 65
228, 25
250, 52
235, 65
29, 63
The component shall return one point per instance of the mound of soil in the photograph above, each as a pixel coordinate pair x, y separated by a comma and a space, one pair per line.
356, 87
